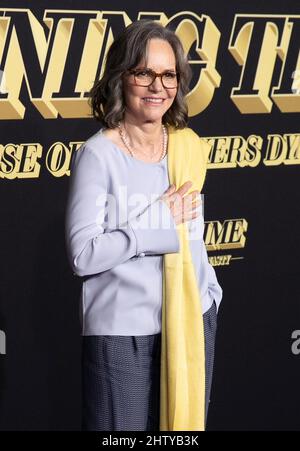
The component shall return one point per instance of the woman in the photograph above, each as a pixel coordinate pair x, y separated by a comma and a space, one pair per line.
140, 95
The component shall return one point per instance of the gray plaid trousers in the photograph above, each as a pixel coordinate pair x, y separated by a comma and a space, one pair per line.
121, 379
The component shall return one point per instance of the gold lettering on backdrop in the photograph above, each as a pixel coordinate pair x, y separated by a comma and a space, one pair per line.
283, 150
257, 43
203, 33
20, 161
227, 152
68, 51
58, 158
228, 235
64, 55
233, 151
220, 260
60, 57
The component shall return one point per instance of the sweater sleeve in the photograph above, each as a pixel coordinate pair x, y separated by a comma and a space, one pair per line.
91, 248
204, 270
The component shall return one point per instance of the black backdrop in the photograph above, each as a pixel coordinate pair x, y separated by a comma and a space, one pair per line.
256, 373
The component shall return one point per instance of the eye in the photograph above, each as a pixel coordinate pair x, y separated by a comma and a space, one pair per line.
143, 73
170, 75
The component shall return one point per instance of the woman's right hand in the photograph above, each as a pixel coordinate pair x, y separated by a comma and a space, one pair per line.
182, 207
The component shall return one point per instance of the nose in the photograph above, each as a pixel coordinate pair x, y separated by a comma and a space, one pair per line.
157, 84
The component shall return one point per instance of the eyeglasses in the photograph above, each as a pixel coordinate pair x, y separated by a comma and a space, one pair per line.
145, 77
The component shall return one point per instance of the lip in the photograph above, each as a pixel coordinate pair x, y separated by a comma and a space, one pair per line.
154, 104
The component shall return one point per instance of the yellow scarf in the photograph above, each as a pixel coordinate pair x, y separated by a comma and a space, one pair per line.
182, 382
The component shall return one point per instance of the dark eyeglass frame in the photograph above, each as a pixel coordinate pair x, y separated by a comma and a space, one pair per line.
154, 75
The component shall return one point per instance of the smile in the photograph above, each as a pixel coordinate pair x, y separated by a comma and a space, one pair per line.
153, 100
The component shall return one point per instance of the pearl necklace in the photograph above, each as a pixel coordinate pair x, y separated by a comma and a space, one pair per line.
126, 142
